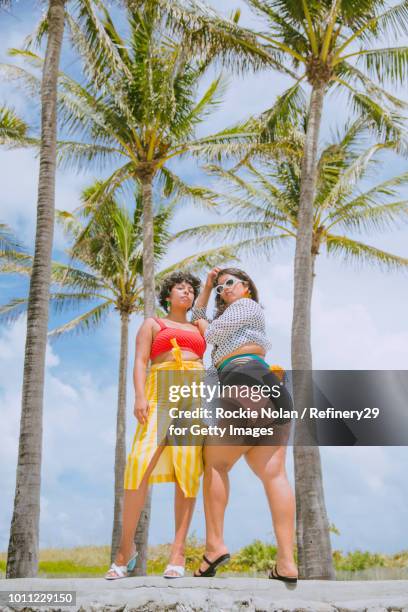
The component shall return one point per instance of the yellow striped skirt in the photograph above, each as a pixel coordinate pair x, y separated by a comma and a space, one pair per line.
177, 463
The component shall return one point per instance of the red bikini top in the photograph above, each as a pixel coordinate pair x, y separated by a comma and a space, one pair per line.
189, 340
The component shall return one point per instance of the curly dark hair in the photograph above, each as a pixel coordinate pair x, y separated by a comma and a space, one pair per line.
174, 279
220, 305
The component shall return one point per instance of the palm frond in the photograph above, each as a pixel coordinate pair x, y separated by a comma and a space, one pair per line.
387, 65
9, 244
380, 190
13, 130
210, 100
174, 186
85, 322
392, 22
370, 22
36, 37
286, 111
258, 198
61, 301
78, 108
201, 261
263, 245
351, 250
351, 74
9, 313
100, 75
29, 83
388, 124
101, 39
229, 143
11, 265
362, 215
227, 230
103, 191
77, 155
292, 34
65, 275
208, 34
347, 180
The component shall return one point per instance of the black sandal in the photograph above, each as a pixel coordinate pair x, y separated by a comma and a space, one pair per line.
212, 566
274, 575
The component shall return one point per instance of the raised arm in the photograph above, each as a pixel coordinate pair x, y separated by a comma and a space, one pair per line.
237, 315
199, 310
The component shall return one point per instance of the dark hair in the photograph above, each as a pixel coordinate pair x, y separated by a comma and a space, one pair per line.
174, 279
220, 305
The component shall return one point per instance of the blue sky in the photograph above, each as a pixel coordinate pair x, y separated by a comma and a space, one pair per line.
359, 322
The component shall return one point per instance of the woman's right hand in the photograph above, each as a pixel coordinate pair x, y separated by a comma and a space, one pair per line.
212, 275
141, 410
202, 325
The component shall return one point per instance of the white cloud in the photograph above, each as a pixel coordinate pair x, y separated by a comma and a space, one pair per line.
78, 443
18, 204
362, 485
348, 336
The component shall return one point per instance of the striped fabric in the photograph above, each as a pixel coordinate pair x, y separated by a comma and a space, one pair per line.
183, 464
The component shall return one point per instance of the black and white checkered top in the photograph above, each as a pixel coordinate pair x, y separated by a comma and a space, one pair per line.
242, 322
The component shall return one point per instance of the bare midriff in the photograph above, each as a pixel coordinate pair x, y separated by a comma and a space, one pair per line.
257, 349
168, 356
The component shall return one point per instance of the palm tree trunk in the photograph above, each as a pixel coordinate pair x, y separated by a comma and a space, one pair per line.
120, 448
22, 559
313, 537
142, 536
148, 244
142, 529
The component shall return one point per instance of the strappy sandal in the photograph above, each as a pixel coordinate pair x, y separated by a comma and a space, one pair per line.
115, 572
212, 566
179, 569
274, 575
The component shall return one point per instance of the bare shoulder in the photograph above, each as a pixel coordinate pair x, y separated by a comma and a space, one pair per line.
148, 326
152, 322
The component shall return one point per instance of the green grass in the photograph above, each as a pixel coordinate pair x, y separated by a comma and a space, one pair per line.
253, 560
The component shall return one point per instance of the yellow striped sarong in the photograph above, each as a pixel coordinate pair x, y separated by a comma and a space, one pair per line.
183, 464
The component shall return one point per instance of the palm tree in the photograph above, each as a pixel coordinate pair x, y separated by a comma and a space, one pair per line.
263, 206
105, 271
22, 558
139, 102
264, 199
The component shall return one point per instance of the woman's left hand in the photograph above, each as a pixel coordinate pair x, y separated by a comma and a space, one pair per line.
202, 325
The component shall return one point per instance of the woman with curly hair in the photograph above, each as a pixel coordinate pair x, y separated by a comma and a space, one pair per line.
238, 336
169, 344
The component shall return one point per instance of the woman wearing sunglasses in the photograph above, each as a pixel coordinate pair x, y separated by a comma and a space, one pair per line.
238, 336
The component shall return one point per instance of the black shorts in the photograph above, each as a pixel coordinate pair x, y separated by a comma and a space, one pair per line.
243, 377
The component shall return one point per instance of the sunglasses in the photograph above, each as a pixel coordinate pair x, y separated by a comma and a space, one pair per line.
228, 283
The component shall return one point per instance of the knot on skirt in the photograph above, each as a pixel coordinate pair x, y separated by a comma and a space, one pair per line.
177, 354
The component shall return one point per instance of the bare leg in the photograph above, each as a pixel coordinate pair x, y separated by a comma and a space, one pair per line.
133, 502
183, 513
218, 460
268, 463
